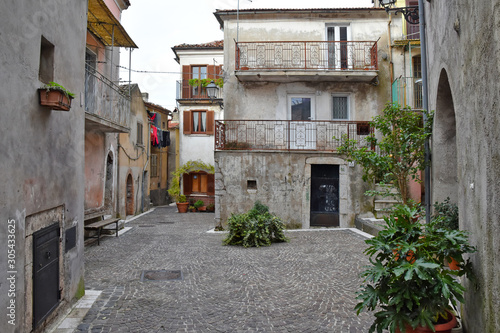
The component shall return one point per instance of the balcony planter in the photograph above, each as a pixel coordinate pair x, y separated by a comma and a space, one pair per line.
55, 96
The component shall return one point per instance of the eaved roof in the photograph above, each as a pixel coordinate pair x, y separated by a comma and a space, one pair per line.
215, 45
284, 11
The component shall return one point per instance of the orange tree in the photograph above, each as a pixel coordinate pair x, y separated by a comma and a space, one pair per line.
395, 151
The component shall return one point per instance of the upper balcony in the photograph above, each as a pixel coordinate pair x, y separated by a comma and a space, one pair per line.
107, 107
407, 91
306, 61
186, 92
288, 135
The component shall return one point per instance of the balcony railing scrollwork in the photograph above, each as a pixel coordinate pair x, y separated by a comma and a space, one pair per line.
308, 55
106, 100
317, 135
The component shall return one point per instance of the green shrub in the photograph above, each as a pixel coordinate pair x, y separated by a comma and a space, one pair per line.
257, 227
448, 212
199, 204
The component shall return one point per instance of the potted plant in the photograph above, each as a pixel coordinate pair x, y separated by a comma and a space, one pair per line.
182, 204
211, 207
191, 209
413, 295
55, 96
200, 206
447, 212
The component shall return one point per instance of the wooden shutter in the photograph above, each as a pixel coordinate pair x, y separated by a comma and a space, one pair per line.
211, 72
186, 183
210, 184
210, 122
187, 122
186, 88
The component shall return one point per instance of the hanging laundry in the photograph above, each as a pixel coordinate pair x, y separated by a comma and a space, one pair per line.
154, 136
166, 139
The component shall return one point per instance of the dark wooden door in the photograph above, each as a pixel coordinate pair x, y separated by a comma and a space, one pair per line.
324, 195
46, 294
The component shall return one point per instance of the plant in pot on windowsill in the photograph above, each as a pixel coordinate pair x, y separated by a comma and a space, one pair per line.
412, 288
55, 96
200, 206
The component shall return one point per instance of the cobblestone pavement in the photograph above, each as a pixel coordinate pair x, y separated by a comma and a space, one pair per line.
306, 285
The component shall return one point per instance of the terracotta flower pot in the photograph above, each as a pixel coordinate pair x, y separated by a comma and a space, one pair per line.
453, 264
439, 328
182, 207
54, 99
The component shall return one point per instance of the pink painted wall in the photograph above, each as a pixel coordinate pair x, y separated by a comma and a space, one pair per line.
94, 170
113, 7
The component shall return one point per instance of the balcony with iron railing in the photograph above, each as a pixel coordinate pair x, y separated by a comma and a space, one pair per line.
107, 106
184, 91
306, 61
407, 91
288, 135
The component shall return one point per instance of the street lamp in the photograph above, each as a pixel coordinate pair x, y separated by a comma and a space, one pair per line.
410, 13
212, 90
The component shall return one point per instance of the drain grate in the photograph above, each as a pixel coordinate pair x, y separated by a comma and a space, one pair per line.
146, 225
168, 222
161, 275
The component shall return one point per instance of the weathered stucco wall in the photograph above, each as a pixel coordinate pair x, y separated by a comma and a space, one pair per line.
41, 169
134, 157
464, 67
283, 183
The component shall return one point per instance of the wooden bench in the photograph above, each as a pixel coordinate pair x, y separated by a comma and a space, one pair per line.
101, 224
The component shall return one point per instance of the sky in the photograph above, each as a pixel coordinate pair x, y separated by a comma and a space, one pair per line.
158, 25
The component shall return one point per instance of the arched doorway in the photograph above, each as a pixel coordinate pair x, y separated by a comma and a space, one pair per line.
129, 204
108, 185
444, 144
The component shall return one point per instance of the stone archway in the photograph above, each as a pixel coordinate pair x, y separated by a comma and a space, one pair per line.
129, 199
444, 144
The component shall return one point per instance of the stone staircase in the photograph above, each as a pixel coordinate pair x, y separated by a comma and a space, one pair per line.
383, 204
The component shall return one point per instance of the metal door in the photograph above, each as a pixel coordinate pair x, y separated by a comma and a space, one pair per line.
324, 195
46, 294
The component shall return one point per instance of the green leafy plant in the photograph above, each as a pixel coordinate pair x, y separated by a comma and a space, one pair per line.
255, 228
211, 207
398, 155
448, 211
56, 86
190, 166
407, 281
181, 198
191, 208
199, 204
205, 82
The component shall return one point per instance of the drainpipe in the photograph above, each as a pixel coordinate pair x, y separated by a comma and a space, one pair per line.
425, 105
391, 65
145, 164
117, 204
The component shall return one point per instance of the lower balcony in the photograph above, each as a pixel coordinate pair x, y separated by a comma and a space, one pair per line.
107, 107
293, 135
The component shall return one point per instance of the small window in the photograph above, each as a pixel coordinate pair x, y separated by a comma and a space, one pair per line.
340, 109
46, 68
140, 140
199, 121
199, 182
154, 165
198, 72
251, 184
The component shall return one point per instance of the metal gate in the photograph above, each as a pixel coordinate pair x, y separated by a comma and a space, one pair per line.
324, 195
46, 294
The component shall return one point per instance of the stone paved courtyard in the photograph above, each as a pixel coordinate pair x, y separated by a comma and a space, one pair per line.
306, 285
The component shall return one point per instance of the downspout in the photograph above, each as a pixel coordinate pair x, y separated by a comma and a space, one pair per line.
425, 105
391, 65
145, 165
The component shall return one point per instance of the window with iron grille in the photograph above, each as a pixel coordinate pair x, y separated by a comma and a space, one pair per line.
417, 86
154, 165
140, 140
340, 109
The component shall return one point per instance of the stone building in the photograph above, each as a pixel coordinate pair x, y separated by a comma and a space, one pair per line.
463, 41
41, 170
134, 151
294, 80
107, 107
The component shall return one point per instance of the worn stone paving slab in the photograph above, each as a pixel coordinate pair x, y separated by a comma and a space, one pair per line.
306, 285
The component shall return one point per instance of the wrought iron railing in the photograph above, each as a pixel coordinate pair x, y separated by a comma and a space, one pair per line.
308, 55
105, 99
407, 91
319, 135
186, 91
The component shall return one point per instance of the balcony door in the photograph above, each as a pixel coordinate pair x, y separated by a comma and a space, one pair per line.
339, 53
302, 130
